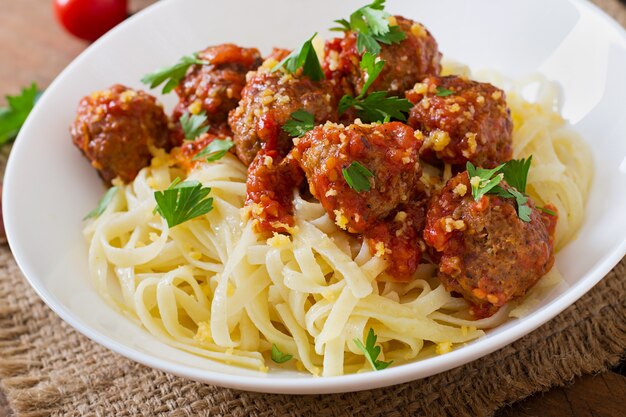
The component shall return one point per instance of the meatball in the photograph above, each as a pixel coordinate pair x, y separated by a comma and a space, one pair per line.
116, 128
216, 88
389, 215
268, 100
389, 151
463, 120
406, 62
487, 253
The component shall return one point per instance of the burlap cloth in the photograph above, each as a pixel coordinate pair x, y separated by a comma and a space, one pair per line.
47, 368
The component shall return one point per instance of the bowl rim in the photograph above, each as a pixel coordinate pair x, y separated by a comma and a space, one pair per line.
277, 383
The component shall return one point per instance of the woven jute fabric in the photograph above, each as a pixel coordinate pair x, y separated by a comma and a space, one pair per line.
47, 368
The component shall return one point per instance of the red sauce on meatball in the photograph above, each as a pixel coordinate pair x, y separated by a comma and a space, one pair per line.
216, 88
485, 251
268, 100
406, 62
462, 120
389, 215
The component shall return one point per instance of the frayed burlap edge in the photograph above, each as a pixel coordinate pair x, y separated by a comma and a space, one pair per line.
47, 368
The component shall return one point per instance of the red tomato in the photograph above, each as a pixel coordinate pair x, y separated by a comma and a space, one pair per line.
90, 19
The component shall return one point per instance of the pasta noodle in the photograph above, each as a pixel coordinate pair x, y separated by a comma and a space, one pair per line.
213, 287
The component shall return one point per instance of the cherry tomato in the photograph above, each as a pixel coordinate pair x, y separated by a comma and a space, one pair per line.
90, 19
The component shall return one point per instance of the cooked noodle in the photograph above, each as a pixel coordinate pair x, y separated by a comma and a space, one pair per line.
213, 287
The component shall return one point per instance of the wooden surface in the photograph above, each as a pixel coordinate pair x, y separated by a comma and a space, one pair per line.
35, 48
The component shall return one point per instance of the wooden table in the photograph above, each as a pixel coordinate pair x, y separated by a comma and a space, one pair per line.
35, 48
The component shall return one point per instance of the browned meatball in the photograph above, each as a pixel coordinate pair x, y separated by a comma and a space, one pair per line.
116, 128
389, 151
463, 120
389, 214
487, 253
216, 88
406, 62
267, 102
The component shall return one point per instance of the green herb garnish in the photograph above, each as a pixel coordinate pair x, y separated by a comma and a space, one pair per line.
547, 211
443, 92
372, 66
215, 150
377, 107
103, 204
278, 356
172, 75
183, 201
357, 177
193, 125
371, 351
514, 172
374, 107
299, 123
19, 107
305, 58
372, 27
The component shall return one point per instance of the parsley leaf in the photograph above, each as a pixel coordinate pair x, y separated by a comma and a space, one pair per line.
523, 210
305, 58
172, 75
13, 117
547, 211
278, 356
483, 180
443, 92
193, 125
102, 205
183, 201
376, 106
300, 122
513, 172
371, 351
372, 69
372, 27
516, 172
356, 175
215, 150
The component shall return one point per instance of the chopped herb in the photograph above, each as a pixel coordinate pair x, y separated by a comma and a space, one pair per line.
371, 351
357, 177
13, 117
547, 211
372, 27
305, 58
372, 68
103, 204
300, 122
514, 172
523, 210
193, 125
443, 92
183, 201
483, 180
278, 356
376, 106
216, 150
172, 75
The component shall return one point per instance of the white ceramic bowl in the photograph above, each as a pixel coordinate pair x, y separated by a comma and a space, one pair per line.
50, 186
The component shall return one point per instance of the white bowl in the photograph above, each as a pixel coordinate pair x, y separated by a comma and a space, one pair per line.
50, 186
